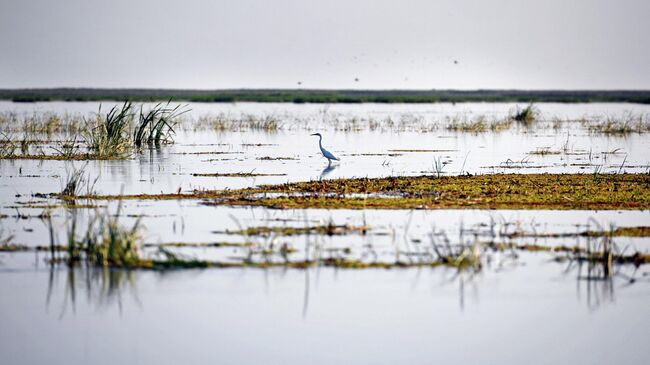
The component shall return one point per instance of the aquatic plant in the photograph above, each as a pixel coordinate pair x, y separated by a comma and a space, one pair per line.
627, 124
543, 151
527, 115
68, 149
108, 135
329, 229
7, 146
156, 125
479, 125
73, 183
105, 243
76, 181
222, 123
5, 241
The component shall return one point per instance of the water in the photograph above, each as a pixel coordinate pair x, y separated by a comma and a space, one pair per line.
524, 309
322, 316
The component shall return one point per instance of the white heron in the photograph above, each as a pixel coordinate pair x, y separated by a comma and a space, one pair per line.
327, 154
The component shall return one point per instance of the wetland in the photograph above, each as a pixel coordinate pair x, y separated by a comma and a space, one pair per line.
444, 225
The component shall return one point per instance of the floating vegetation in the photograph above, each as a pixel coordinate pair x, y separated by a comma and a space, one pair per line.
420, 150
494, 191
579, 253
236, 174
329, 229
198, 244
502, 191
12, 247
107, 244
70, 157
543, 151
640, 231
269, 158
207, 153
374, 154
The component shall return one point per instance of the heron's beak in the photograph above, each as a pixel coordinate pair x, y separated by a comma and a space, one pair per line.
314, 134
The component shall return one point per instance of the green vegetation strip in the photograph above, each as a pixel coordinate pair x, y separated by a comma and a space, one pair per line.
327, 96
498, 191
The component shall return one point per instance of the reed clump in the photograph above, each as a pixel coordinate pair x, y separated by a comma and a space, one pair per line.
156, 126
627, 124
478, 125
108, 136
527, 115
106, 243
117, 134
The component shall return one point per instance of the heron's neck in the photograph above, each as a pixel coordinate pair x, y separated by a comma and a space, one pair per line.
320, 140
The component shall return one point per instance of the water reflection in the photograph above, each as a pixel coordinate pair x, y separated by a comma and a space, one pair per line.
328, 169
103, 287
597, 282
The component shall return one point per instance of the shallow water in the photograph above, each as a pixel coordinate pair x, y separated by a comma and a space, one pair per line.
509, 311
535, 313
363, 153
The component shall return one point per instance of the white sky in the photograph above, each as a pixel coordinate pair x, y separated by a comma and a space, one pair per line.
556, 44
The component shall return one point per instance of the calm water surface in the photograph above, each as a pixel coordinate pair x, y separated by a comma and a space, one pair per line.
526, 309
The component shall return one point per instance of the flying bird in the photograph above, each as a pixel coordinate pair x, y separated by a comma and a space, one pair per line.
327, 154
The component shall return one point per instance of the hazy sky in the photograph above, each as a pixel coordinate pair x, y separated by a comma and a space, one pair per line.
325, 44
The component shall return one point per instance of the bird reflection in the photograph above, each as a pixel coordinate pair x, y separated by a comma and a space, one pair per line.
328, 169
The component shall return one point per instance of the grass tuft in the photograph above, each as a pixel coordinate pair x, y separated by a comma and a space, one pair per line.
156, 126
108, 136
106, 243
527, 115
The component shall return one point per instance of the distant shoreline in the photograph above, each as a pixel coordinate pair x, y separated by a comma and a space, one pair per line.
325, 95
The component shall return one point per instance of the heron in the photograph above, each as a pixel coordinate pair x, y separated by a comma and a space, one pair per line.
327, 154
